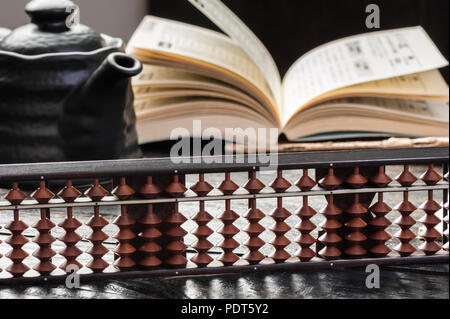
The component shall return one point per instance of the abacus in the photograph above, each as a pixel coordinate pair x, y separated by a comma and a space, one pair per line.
352, 226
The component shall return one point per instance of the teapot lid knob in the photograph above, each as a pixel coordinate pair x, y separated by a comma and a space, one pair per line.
51, 15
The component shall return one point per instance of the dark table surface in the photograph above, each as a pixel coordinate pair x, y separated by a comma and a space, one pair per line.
414, 281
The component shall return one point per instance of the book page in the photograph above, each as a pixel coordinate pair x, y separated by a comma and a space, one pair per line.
360, 115
156, 76
230, 23
172, 39
358, 59
431, 110
428, 85
158, 80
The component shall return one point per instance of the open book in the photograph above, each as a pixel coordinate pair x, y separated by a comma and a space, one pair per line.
384, 82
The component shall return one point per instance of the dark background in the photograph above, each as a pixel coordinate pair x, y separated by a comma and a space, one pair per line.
290, 28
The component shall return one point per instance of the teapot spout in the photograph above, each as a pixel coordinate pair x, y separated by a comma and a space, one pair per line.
115, 71
4, 32
98, 120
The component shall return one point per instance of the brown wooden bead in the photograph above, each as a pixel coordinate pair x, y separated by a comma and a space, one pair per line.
97, 237
379, 236
123, 191
356, 226
405, 235
96, 192
306, 183
331, 239
125, 235
70, 239
69, 193
228, 231
254, 185
446, 234
254, 229
149, 190
406, 178
17, 241
431, 177
446, 231
228, 187
331, 181
15, 196
280, 228
306, 226
150, 234
430, 221
356, 180
176, 247
381, 180
176, 189
280, 184
202, 259
202, 188
44, 253
43, 195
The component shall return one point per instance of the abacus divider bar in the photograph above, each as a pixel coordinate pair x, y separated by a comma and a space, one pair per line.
232, 197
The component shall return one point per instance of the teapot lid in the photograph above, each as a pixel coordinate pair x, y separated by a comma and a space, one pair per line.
53, 29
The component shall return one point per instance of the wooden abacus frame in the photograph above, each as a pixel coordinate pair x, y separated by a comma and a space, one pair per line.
151, 239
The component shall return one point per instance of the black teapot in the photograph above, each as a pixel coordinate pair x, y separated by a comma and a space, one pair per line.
65, 92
